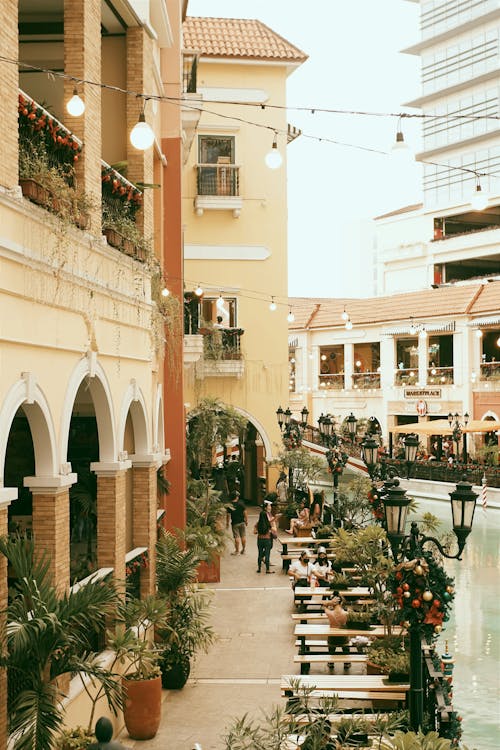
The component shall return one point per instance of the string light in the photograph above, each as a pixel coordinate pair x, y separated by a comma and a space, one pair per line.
348, 324
273, 158
290, 317
479, 199
165, 292
272, 305
220, 302
75, 106
345, 315
142, 135
198, 291
400, 148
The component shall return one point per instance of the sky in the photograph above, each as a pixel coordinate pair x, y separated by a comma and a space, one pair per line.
354, 63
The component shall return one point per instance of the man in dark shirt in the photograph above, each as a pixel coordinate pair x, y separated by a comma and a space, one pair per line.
237, 514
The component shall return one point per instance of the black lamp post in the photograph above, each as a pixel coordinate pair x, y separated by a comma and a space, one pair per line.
280, 415
411, 447
370, 456
352, 423
304, 413
463, 503
326, 425
457, 426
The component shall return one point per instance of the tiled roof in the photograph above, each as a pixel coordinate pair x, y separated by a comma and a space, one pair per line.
446, 301
238, 37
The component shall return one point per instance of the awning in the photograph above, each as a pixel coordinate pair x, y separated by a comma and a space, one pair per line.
442, 427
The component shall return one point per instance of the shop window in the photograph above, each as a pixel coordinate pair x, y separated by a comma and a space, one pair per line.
490, 356
406, 361
440, 360
366, 372
331, 367
213, 308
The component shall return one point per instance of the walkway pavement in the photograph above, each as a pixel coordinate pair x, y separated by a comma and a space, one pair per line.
241, 673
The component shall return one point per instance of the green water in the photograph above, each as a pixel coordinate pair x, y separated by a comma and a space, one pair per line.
473, 632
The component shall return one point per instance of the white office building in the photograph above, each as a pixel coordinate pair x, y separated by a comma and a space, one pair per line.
444, 240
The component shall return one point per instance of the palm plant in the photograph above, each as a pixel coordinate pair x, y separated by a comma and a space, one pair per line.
47, 637
187, 625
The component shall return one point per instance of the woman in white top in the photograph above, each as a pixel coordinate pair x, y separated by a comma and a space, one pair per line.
322, 567
301, 569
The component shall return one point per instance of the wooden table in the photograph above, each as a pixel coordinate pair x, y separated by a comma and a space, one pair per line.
301, 541
356, 592
323, 630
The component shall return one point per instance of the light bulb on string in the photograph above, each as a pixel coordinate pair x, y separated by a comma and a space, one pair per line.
479, 333
348, 325
290, 317
198, 291
75, 106
165, 292
345, 315
273, 158
272, 305
220, 302
480, 198
142, 136
400, 148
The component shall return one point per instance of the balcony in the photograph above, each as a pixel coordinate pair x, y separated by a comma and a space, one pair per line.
222, 355
439, 375
332, 382
490, 373
193, 348
406, 376
366, 380
218, 188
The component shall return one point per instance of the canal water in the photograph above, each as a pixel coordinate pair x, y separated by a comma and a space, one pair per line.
473, 631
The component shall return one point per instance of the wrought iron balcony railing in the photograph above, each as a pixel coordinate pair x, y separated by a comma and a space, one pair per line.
366, 380
439, 375
490, 371
406, 376
218, 179
332, 381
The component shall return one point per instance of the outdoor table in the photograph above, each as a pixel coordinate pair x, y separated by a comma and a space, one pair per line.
323, 630
291, 683
357, 592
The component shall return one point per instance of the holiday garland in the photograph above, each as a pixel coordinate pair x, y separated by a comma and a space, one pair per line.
336, 459
376, 504
423, 594
116, 187
292, 437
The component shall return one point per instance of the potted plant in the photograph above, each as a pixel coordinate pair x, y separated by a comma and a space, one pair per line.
381, 651
134, 648
359, 620
78, 738
187, 628
353, 731
121, 230
49, 637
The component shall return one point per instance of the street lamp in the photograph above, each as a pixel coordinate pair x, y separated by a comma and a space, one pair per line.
370, 455
352, 423
305, 414
411, 447
280, 415
396, 502
456, 425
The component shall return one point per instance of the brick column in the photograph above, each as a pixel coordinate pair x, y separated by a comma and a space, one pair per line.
140, 79
144, 507
5, 499
8, 94
82, 59
111, 516
51, 531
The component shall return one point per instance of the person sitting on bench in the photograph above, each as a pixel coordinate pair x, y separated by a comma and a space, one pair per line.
302, 520
337, 618
301, 569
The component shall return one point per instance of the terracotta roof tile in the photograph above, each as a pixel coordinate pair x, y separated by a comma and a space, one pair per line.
238, 37
471, 299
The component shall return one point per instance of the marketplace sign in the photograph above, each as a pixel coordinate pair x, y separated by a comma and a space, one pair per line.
422, 392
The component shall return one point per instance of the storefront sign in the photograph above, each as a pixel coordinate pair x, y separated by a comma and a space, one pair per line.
422, 392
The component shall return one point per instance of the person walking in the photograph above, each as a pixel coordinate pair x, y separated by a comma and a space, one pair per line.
237, 514
264, 541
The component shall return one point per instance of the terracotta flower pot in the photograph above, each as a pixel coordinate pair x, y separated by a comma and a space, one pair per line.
209, 572
142, 709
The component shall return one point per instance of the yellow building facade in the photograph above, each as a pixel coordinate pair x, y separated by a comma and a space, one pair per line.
82, 336
235, 235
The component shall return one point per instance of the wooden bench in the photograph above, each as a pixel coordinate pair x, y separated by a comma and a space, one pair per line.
322, 631
305, 660
292, 555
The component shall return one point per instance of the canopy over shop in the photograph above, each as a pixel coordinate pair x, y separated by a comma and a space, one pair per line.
443, 428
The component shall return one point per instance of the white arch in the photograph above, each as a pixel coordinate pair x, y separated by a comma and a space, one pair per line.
103, 406
134, 401
158, 423
489, 415
260, 429
26, 393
